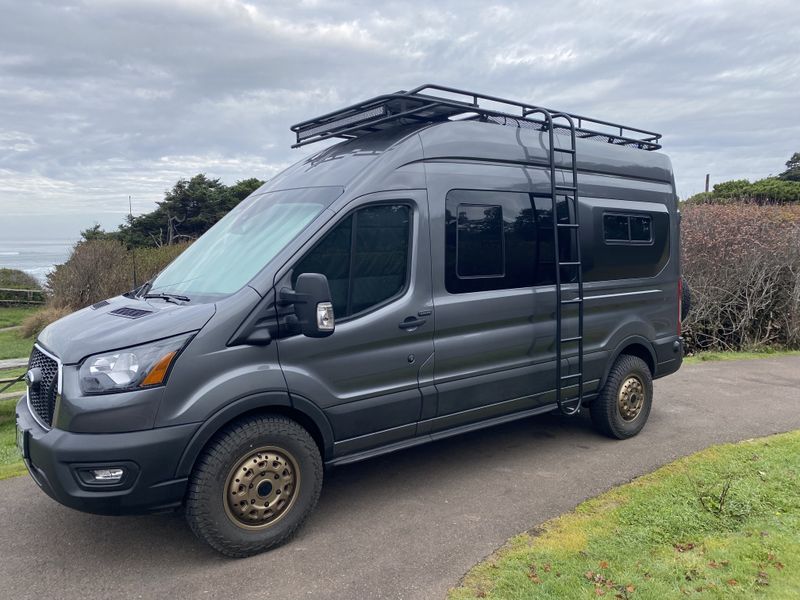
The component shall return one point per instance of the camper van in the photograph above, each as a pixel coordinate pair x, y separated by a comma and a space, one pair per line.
455, 261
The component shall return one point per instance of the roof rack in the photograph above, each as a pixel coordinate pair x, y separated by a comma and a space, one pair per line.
426, 104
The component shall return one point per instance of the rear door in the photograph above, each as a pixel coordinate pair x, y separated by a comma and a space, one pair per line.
365, 375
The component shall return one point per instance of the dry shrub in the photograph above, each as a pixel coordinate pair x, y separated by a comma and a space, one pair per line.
100, 269
96, 270
742, 264
33, 324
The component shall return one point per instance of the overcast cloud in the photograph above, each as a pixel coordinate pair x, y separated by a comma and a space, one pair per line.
103, 99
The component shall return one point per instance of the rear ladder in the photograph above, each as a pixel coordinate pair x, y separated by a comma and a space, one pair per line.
573, 289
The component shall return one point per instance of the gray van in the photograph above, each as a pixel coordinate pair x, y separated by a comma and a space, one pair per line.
458, 261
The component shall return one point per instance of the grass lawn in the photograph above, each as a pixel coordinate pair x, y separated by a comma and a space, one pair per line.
14, 315
712, 356
10, 374
13, 345
723, 523
10, 461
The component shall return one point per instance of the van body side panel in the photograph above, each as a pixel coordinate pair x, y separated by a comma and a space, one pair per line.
630, 290
490, 346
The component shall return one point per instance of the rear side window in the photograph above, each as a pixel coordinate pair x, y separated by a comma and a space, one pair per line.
365, 258
479, 241
490, 241
641, 229
633, 245
627, 229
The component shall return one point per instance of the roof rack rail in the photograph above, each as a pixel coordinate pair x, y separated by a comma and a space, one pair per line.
427, 104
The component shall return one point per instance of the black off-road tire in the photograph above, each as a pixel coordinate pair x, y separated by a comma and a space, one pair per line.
686, 302
606, 410
205, 508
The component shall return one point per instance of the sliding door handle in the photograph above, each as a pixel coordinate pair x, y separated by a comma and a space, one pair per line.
411, 323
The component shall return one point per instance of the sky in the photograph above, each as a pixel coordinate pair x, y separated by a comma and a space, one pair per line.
100, 100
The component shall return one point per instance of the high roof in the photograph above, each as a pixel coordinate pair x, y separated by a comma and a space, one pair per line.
432, 103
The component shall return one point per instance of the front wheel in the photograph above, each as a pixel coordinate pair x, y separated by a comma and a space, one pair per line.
254, 486
622, 408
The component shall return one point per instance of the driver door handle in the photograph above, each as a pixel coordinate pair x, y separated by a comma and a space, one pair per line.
410, 323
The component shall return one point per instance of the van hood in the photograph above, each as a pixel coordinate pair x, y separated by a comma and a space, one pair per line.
119, 323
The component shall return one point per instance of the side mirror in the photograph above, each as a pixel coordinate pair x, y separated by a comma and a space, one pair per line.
311, 298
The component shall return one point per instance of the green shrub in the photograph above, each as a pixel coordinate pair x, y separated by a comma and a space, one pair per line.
701, 198
764, 191
17, 280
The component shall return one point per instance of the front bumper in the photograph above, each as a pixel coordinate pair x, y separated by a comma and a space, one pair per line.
150, 457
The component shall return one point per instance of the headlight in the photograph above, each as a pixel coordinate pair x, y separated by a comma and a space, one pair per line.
138, 367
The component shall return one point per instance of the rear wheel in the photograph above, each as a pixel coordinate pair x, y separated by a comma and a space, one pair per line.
254, 486
622, 408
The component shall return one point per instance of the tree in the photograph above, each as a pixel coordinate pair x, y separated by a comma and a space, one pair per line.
95, 232
187, 211
792, 172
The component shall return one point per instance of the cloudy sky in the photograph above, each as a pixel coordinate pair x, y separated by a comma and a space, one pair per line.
102, 99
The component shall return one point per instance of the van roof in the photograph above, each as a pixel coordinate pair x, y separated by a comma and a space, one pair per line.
431, 103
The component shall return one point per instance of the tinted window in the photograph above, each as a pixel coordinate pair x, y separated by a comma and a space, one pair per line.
567, 240
480, 241
627, 228
642, 252
365, 258
615, 228
491, 241
640, 229
380, 263
331, 257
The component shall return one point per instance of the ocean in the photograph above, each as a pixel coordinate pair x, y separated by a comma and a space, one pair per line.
36, 258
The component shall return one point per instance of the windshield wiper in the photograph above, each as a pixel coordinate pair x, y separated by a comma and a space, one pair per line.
168, 297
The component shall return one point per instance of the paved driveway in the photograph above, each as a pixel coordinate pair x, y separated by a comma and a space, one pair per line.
406, 525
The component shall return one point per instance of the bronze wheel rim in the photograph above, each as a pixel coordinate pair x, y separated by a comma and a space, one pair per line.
261, 488
631, 398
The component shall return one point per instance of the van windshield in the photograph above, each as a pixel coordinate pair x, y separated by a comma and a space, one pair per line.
235, 249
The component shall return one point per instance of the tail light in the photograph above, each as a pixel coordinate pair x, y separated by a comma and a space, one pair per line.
680, 302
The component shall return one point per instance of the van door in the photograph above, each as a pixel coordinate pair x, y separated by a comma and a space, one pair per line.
494, 294
375, 255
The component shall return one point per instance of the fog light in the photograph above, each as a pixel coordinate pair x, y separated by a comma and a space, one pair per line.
117, 476
107, 475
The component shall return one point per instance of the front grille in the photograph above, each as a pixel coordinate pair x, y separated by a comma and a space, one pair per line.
42, 396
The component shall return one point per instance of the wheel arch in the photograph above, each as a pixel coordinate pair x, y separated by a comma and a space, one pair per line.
635, 346
306, 413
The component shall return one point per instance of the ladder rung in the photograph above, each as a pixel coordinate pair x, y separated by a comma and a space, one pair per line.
569, 225
573, 376
573, 301
566, 188
567, 150
572, 339
570, 263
